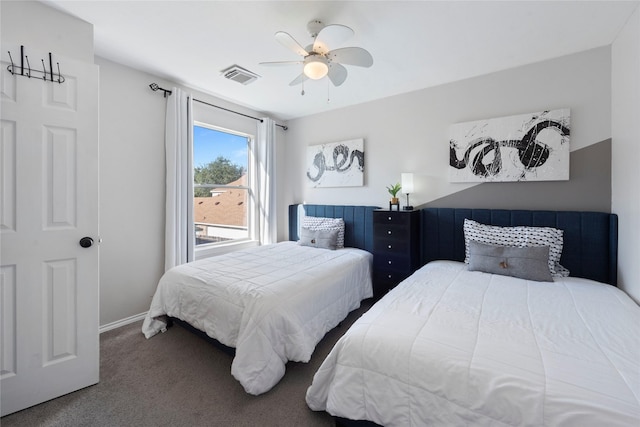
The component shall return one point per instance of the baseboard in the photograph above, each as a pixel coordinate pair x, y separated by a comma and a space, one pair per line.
122, 322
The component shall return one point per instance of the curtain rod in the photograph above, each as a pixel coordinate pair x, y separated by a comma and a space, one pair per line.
154, 87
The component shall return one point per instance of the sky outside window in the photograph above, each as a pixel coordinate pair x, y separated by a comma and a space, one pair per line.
209, 144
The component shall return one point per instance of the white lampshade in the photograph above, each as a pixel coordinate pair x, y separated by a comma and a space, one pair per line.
407, 182
315, 67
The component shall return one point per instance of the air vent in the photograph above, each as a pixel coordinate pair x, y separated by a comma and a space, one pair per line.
239, 74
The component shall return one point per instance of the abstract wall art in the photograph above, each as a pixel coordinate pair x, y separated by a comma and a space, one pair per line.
526, 147
336, 164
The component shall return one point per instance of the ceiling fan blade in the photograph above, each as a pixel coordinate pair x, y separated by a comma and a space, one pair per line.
298, 80
351, 56
275, 63
337, 74
331, 35
289, 42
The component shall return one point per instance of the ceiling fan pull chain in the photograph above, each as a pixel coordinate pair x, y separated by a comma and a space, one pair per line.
328, 92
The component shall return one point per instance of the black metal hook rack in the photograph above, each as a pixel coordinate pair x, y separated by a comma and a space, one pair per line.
21, 70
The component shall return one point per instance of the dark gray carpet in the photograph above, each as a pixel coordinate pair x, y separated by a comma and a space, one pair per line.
179, 379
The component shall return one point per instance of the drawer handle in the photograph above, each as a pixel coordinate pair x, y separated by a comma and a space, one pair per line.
389, 262
389, 218
389, 232
389, 246
389, 276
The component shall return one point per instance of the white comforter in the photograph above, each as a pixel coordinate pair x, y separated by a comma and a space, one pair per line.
273, 303
449, 347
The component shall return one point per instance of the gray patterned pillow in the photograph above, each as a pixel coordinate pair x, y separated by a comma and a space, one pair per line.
321, 223
520, 236
325, 239
530, 263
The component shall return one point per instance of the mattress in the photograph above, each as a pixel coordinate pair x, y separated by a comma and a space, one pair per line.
453, 347
273, 303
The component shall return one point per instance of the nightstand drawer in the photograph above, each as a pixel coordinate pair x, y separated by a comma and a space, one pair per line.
389, 261
391, 231
391, 246
391, 218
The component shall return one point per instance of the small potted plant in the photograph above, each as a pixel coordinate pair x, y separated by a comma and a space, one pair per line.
394, 190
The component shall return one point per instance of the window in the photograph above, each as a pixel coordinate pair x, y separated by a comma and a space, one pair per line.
222, 195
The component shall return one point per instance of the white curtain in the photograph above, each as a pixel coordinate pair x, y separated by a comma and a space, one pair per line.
179, 227
264, 150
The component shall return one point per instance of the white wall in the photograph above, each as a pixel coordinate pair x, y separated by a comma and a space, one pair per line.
31, 23
132, 183
625, 177
409, 132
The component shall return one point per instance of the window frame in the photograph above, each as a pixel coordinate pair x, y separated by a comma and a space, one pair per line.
209, 249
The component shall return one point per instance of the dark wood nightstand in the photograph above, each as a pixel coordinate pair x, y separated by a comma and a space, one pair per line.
396, 248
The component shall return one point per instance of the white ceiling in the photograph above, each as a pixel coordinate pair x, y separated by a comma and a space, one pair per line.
415, 44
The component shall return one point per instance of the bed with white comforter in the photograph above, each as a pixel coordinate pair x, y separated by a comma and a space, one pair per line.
273, 303
451, 347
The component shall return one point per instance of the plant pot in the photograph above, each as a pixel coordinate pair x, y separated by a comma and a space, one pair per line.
394, 201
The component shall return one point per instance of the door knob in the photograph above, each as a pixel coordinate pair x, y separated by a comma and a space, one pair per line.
86, 242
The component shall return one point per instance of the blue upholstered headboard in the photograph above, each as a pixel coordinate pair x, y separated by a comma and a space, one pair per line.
358, 230
590, 248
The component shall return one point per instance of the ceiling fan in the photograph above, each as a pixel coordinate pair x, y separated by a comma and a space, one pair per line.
321, 58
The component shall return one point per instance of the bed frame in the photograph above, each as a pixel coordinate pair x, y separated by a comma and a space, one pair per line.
590, 248
590, 243
358, 221
358, 234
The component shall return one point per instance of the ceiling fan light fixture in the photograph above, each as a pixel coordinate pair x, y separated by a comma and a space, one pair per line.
321, 59
315, 67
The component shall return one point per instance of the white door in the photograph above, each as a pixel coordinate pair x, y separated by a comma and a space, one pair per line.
49, 284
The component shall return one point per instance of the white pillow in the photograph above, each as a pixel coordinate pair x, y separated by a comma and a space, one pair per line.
319, 223
520, 237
